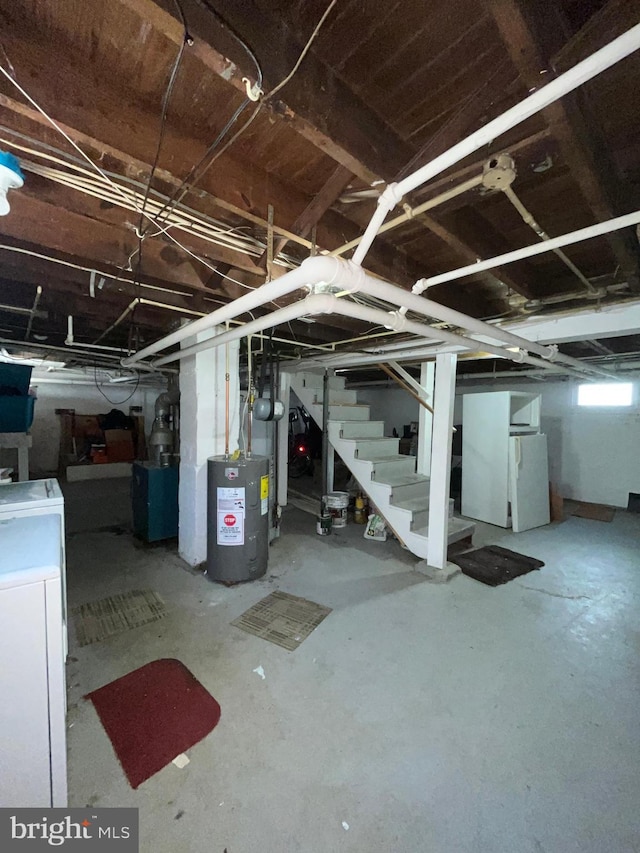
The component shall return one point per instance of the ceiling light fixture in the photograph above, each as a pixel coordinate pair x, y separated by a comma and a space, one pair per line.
11, 178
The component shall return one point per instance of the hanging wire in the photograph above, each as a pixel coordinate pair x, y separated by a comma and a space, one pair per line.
114, 402
213, 154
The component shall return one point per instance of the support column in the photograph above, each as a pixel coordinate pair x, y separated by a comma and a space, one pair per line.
202, 434
444, 398
331, 467
425, 418
282, 451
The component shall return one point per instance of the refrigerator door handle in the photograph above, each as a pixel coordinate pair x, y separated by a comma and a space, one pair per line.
518, 460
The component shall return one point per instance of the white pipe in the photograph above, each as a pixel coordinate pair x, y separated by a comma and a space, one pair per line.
590, 67
529, 219
78, 349
348, 274
416, 211
428, 308
325, 303
311, 271
587, 233
318, 303
101, 347
423, 330
33, 312
69, 339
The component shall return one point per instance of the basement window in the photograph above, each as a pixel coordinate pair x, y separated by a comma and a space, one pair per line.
609, 394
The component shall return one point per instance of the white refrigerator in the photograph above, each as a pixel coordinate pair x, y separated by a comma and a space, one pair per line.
33, 754
39, 497
505, 468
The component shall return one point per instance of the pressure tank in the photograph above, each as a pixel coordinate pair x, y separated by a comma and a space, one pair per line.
238, 518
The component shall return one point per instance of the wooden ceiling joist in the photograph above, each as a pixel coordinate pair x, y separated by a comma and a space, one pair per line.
316, 103
528, 31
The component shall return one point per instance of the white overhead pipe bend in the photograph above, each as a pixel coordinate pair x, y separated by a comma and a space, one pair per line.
310, 271
590, 67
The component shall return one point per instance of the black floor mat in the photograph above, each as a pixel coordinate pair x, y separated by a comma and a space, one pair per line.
494, 565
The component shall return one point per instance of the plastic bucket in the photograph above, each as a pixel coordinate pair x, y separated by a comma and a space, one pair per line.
336, 505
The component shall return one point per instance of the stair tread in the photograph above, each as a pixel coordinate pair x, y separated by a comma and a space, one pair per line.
342, 405
339, 421
456, 525
368, 437
414, 504
393, 458
401, 479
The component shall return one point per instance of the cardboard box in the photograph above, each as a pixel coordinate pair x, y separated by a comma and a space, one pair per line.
119, 445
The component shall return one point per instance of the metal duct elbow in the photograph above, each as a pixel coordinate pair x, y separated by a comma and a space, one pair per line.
165, 400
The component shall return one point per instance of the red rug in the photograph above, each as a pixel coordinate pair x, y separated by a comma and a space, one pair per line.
153, 715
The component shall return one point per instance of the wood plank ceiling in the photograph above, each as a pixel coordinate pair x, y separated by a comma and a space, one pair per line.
385, 86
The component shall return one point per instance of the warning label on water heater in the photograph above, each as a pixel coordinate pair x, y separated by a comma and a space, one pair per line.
230, 528
264, 494
231, 509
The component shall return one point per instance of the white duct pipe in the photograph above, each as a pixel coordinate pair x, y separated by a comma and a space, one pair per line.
416, 211
428, 308
348, 275
319, 303
587, 233
423, 330
325, 303
590, 67
311, 270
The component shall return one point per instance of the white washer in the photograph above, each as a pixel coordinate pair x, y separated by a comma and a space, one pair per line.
33, 753
39, 497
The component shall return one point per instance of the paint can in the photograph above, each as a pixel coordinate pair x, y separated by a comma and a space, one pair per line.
336, 504
323, 524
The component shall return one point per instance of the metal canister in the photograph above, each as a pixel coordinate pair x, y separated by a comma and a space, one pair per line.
323, 524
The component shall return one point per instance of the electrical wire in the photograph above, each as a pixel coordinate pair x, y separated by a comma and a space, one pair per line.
115, 402
165, 105
238, 38
190, 180
163, 119
189, 183
97, 168
305, 50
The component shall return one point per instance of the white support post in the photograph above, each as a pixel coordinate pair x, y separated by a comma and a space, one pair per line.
425, 418
282, 451
202, 434
444, 398
331, 467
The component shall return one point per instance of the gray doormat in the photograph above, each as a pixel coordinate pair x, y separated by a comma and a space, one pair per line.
98, 620
494, 565
283, 619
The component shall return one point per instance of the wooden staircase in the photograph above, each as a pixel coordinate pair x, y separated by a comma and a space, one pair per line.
389, 479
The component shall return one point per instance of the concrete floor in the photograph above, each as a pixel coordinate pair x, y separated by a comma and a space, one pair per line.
417, 717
